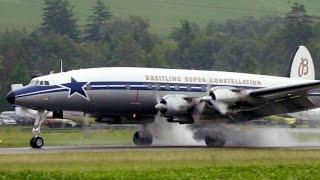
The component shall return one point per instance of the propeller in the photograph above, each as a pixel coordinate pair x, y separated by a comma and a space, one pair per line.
222, 108
198, 110
159, 107
202, 103
209, 101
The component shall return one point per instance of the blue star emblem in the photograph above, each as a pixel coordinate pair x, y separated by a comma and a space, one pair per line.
76, 88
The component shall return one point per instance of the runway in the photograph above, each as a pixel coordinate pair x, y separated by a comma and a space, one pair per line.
69, 149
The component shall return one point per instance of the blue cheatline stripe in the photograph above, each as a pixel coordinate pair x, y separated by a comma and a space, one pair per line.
314, 94
152, 86
41, 92
35, 88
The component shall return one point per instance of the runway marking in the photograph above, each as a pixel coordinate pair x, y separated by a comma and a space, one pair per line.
64, 149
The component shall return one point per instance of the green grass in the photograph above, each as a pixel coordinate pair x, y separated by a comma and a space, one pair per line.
152, 163
19, 137
162, 14
157, 164
252, 172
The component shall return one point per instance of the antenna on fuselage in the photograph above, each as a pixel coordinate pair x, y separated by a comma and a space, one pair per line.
61, 65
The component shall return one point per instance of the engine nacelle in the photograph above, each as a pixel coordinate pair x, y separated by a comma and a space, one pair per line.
172, 106
228, 96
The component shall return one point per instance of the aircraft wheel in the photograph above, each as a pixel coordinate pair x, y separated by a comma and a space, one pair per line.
214, 142
31, 141
142, 138
36, 142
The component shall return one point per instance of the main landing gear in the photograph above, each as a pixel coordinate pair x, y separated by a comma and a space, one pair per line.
215, 141
142, 137
213, 136
36, 141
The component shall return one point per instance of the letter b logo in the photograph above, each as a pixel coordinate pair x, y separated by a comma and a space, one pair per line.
303, 67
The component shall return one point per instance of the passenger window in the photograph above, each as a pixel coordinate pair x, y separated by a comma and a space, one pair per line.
149, 86
188, 87
46, 83
176, 87
88, 86
37, 82
41, 82
203, 88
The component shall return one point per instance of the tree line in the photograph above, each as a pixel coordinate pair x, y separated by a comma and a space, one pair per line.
248, 44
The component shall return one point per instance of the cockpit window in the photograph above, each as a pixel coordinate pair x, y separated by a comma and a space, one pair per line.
40, 82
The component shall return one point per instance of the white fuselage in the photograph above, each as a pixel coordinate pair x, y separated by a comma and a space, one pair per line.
128, 90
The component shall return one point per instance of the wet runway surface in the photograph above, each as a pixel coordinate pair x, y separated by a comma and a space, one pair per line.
255, 138
62, 149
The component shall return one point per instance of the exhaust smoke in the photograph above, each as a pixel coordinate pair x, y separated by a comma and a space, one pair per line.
259, 136
173, 134
276, 137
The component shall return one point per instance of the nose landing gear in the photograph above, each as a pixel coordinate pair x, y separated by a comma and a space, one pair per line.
36, 141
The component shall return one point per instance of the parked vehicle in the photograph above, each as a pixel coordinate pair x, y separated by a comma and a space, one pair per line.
8, 114
8, 121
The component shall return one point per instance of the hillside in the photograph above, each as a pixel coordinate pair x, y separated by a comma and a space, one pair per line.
162, 14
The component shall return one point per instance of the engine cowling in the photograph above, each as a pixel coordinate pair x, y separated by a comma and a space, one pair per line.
228, 96
172, 106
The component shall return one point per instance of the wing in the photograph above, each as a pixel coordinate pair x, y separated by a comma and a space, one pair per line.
285, 91
253, 104
280, 100
277, 107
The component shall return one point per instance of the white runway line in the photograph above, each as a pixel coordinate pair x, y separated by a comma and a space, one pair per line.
27, 150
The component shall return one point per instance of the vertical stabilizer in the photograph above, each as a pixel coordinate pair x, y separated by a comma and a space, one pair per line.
302, 65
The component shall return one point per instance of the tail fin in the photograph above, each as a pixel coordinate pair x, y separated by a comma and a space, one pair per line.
302, 65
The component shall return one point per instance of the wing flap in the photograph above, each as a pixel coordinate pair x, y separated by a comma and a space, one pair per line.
279, 107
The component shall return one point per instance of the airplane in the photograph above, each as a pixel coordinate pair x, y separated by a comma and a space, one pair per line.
134, 95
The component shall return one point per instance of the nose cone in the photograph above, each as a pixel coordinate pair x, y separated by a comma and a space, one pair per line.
11, 97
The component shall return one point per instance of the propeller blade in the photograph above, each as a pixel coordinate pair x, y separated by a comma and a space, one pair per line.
222, 108
198, 111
